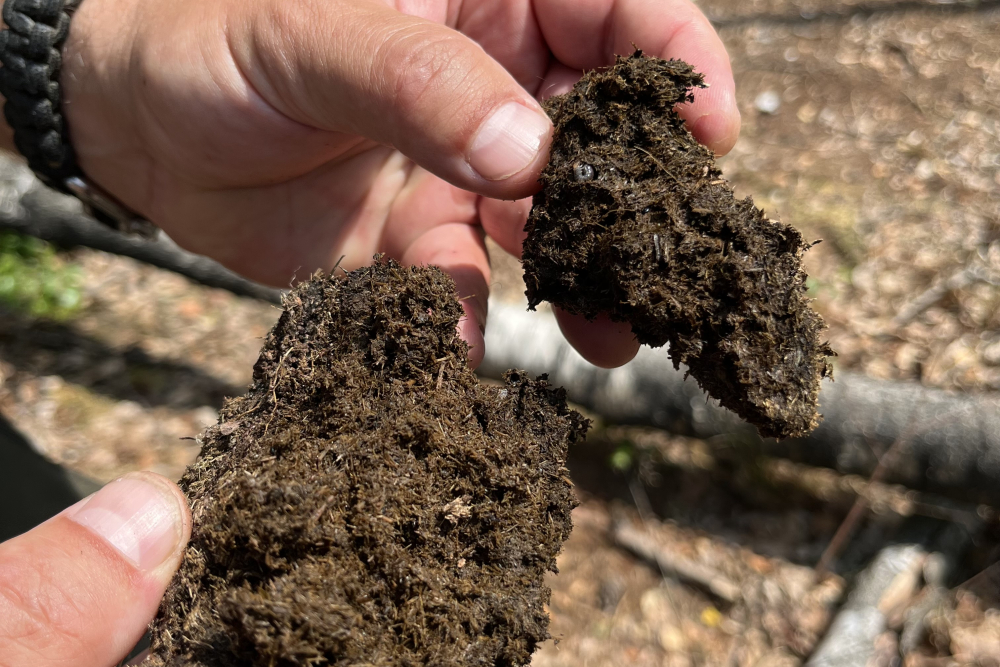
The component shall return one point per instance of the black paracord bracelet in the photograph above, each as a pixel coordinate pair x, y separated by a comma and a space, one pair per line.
31, 53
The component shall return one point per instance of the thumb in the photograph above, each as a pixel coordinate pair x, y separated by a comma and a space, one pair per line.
364, 68
81, 588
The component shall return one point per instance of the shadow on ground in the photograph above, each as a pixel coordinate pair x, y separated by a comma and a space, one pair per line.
733, 499
43, 348
32, 488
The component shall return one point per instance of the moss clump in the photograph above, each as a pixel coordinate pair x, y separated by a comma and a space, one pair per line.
368, 501
635, 220
34, 280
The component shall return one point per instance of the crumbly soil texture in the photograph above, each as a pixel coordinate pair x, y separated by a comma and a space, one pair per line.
368, 502
635, 220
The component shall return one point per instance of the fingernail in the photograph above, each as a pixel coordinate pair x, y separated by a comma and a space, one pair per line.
138, 517
508, 141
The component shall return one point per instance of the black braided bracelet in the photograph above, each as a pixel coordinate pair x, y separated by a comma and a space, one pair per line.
31, 53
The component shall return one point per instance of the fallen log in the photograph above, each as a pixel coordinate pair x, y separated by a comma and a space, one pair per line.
952, 440
850, 641
29, 208
955, 448
897, 590
671, 563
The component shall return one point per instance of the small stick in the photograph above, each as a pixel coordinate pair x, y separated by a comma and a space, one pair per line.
850, 522
885, 463
640, 544
850, 639
958, 280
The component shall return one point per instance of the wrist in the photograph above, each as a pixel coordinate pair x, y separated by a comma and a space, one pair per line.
31, 50
98, 91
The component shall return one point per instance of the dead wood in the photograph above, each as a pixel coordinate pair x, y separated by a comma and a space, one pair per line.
891, 577
862, 416
956, 448
963, 278
671, 563
46, 215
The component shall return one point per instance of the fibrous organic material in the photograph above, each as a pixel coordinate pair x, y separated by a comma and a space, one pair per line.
634, 220
368, 501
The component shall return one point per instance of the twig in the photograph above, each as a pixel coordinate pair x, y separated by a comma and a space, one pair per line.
850, 522
985, 585
958, 280
880, 497
916, 619
886, 592
640, 544
960, 456
645, 509
45, 216
885, 462
844, 532
850, 641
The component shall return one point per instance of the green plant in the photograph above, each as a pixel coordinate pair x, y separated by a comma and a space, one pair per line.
623, 458
34, 280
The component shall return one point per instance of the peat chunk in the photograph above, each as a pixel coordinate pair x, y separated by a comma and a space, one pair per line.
368, 501
635, 220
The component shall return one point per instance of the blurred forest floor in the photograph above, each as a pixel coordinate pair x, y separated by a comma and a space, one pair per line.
874, 126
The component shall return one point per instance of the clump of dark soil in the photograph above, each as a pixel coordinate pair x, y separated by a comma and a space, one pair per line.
368, 501
634, 220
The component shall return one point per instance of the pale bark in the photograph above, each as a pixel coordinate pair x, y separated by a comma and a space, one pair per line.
850, 641
27, 207
955, 441
952, 440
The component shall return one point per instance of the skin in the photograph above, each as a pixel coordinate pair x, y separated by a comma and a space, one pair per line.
279, 137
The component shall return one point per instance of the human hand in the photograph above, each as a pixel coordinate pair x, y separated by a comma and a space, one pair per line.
277, 136
81, 588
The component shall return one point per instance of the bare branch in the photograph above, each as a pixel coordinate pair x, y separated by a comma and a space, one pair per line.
956, 449
46, 215
958, 280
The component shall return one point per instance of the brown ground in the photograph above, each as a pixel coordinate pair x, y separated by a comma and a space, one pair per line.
885, 144
874, 129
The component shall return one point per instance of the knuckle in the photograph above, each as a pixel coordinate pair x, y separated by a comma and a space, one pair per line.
424, 67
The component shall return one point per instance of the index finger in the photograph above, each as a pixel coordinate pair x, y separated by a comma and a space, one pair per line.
587, 34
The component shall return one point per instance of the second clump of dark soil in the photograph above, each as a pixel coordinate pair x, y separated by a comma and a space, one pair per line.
368, 501
635, 221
